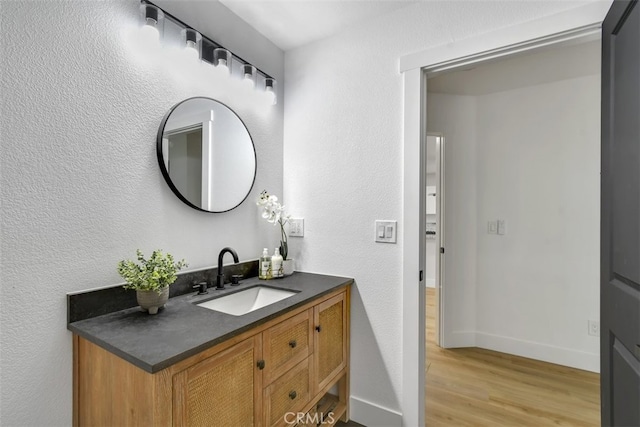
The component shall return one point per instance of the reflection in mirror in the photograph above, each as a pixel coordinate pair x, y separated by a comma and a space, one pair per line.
206, 155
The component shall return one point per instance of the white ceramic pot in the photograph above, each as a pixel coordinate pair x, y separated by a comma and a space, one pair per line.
151, 301
287, 267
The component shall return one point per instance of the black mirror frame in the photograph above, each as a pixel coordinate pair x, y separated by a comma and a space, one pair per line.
165, 172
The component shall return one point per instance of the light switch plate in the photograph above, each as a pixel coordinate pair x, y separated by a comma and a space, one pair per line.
386, 231
502, 227
296, 227
492, 227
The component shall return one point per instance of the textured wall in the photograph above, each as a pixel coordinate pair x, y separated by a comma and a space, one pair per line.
343, 165
81, 188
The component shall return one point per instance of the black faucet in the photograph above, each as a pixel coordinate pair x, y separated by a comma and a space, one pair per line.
220, 280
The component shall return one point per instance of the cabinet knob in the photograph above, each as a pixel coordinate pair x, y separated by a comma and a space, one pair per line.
260, 364
318, 328
293, 343
292, 394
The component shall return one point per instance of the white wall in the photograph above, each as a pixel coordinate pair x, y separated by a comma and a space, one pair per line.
539, 168
533, 160
343, 169
81, 187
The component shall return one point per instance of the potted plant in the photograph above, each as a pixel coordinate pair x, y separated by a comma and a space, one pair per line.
274, 213
150, 278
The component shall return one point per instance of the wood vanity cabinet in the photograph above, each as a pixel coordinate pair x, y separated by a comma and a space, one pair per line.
264, 377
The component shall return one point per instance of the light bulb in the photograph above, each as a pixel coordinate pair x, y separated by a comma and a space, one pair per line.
222, 65
222, 60
248, 81
271, 97
249, 78
150, 34
270, 90
150, 30
191, 49
151, 22
192, 42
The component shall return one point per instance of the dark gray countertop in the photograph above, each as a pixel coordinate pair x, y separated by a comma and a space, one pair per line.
182, 329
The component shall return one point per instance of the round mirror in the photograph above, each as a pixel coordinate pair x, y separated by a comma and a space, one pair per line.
206, 155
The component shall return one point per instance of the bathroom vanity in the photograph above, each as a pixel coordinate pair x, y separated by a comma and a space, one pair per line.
284, 364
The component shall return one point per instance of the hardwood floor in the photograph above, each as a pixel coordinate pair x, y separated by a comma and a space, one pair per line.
476, 387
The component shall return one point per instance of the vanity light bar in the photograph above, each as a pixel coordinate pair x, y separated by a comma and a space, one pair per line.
209, 50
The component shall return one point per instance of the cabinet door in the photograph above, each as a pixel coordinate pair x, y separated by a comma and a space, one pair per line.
287, 344
220, 390
330, 318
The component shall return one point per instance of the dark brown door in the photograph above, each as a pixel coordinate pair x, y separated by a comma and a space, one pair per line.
620, 240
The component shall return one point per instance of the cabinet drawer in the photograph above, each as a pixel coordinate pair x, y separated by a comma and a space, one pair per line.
286, 344
288, 395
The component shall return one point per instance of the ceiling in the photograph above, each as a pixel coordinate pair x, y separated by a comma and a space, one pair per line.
293, 23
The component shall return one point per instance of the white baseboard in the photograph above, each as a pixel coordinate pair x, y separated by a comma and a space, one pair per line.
372, 415
534, 350
430, 283
459, 339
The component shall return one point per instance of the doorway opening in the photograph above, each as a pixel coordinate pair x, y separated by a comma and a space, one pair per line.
522, 221
562, 28
434, 232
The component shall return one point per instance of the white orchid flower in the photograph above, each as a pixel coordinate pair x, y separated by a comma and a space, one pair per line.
274, 213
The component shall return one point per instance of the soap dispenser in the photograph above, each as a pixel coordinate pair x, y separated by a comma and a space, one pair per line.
276, 264
265, 265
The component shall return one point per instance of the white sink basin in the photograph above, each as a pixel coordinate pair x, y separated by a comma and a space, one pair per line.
246, 301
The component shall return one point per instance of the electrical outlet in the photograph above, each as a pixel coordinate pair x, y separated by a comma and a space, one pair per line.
594, 328
296, 227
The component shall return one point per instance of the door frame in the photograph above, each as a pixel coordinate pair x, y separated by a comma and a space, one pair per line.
440, 238
201, 120
562, 28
